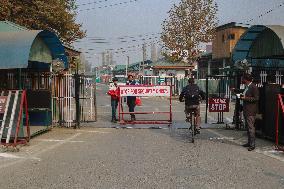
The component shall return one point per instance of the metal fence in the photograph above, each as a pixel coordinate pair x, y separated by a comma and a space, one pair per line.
67, 109
54, 97
178, 83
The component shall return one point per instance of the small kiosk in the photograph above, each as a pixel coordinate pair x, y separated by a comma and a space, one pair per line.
261, 50
26, 59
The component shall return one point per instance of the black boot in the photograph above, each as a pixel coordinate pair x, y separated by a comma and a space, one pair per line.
251, 148
133, 117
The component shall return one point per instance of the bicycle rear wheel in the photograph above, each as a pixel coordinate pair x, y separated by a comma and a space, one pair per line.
192, 129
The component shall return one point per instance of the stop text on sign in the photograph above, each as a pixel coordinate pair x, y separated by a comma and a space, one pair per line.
145, 91
3, 101
219, 105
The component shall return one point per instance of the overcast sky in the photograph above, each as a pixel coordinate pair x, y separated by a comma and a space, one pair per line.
123, 24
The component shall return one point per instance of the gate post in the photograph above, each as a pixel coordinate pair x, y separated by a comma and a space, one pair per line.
206, 114
77, 100
238, 104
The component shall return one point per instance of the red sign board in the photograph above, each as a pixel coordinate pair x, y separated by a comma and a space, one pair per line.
3, 101
132, 90
219, 105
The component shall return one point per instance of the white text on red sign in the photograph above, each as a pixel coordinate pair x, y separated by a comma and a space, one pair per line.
218, 105
145, 91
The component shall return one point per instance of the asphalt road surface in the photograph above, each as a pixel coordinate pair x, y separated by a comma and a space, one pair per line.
99, 156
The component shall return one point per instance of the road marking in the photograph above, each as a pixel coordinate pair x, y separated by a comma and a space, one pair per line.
269, 153
6, 155
222, 138
11, 156
35, 157
55, 140
100, 132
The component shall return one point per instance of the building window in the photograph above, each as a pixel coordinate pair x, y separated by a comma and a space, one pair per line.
223, 38
231, 37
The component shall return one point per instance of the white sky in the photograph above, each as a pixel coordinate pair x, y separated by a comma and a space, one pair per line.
144, 17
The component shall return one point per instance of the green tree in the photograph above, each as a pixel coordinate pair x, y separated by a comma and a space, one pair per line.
189, 24
58, 16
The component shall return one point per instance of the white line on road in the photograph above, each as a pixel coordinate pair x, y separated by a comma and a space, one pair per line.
270, 153
100, 132
55, 140
35, 156
6, 155
11, 156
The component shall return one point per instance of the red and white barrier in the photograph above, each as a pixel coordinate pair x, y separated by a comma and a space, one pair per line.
145, 91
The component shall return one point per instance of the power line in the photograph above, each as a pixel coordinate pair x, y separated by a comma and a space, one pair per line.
91, 3
117, 50
126, 42
123, 37
124, 50
267, 12
110, 5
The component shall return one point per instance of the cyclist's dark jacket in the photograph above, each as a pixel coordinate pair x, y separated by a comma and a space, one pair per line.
191, 100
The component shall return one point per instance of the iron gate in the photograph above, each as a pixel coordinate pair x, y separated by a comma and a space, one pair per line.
73, 99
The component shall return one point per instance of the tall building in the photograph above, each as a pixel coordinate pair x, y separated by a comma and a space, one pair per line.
154, 56
111, 61
107, 58
104, 59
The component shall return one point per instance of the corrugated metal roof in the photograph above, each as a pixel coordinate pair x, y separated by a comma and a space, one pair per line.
6, 26
16, 42
120, 67
168, 63
279, 31
243, 49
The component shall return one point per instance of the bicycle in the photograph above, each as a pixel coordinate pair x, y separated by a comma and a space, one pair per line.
192, 120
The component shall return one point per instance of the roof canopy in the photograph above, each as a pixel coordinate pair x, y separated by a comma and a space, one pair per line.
261, 44
16, 43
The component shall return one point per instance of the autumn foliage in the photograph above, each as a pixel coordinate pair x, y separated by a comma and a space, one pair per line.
189, 24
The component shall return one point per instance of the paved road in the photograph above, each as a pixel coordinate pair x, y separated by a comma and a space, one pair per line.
107, 158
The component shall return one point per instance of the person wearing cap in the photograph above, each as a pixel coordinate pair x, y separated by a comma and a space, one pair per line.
114, 93
250, 107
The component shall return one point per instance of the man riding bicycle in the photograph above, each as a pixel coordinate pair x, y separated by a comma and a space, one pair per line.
192, 95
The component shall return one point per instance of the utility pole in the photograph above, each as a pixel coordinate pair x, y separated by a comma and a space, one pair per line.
144, 58
126, 70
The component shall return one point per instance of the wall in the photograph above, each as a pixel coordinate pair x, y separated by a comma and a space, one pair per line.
223, 46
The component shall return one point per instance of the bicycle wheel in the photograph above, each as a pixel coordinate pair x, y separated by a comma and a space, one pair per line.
192, 129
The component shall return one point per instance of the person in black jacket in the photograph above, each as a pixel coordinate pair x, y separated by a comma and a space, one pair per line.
192, 95
131, 99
